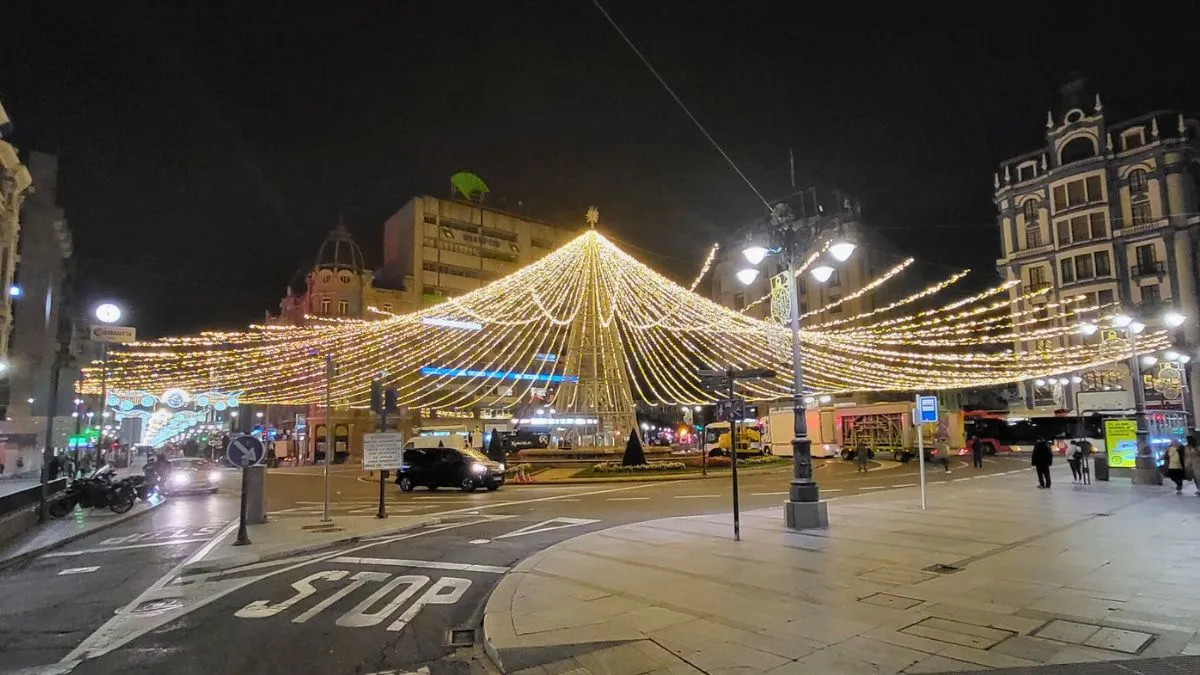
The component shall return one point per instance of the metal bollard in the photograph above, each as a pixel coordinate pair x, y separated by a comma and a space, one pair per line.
256, 502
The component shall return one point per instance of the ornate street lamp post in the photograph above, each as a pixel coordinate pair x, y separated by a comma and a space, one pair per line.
791, 239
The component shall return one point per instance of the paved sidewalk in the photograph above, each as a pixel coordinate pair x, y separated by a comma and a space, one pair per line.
996, 574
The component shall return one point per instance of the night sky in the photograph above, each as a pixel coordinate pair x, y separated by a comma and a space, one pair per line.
207, 151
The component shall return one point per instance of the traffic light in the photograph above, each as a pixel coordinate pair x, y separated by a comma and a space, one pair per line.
376, 396
389, 400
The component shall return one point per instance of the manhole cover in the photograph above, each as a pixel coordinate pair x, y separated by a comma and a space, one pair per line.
156, 606
462, 637
941, 568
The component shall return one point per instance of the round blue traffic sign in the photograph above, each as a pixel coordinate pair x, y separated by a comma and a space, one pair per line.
245, 451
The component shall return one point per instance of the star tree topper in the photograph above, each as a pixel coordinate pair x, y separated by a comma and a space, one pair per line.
593, 216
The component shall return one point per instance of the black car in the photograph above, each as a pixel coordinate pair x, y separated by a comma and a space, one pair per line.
466, 469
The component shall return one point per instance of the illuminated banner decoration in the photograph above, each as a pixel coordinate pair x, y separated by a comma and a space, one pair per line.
450, 323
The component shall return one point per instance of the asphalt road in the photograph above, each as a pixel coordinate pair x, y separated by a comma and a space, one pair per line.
396, 604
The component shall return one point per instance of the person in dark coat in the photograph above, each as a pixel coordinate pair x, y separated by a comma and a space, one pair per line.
55, 467
977, 452
862, 456
1042, 458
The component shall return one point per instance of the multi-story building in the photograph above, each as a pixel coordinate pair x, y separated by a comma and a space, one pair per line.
1106, 209
340, 285
440, 248
820, 301
15, 181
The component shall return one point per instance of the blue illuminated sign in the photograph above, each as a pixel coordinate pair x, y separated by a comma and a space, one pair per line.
496, 374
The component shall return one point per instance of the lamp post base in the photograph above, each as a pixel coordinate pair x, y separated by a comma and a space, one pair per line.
805, 515
1146, 472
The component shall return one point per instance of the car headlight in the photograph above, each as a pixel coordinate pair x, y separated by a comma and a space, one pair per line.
214, 476
478, 468
181, 479
501, 468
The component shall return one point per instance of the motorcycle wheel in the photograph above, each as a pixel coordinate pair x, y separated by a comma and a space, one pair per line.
126, 500
61, 507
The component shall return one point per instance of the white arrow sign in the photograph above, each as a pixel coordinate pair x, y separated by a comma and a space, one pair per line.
547, 525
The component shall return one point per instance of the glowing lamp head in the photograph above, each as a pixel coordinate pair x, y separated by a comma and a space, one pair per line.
1040, 382
1184, 358
825, 398
1171, 355
1136, 327
755, 254
1122, 320
1149, 360
1075, 379
1088, 329
747, 276
1173, 319
15, 291
822, 273
842, 250
1063, 381
107, 312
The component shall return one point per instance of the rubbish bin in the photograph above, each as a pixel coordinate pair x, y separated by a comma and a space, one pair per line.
1100, 464
256, 502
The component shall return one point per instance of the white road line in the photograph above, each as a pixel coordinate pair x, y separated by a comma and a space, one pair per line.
906, 485
695, 496
958, 480
79, 570
627, 499
873, 487
425, 564
822, 490
770, 494
84, 551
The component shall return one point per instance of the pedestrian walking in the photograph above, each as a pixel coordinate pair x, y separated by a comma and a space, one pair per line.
977, 452
1085, 463
1191, 458
55, 467
1075, 459
862, 456
1042, 458
1174, 462
943, 453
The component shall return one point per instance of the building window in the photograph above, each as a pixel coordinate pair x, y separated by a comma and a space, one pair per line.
836, 308
1075, 150
835, 279
1027, 171
1099, 226
1077, 193
1068, 270
1146, 259
1105, 297
1064, 233
1037, 277
1030, 209
1141, 213
1033, 236
1137, 181
325, 306
343, 307
1133, 138
1080, 229
387, 306
1151, 296
739, 300
431, 219
1083, 267
1103, 264
345, 277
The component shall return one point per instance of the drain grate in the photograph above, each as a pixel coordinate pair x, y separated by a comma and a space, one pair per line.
462, 637
942, 568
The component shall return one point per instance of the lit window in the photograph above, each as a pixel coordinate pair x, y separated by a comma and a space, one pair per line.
1133, 138
343, 307
325, 306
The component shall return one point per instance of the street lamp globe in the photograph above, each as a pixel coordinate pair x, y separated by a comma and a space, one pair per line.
1136, 327
1088, 328
747, 276
755, 254
107, 312
1075, 379
842, 250
1184, 358
1149, 360
1122, 320
1173, 318
822, 273
696, 408
1171, 355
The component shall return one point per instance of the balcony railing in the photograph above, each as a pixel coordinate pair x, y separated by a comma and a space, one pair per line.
1033, 250
1130, 230
1147, 268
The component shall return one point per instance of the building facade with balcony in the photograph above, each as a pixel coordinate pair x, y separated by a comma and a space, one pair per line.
441, 248
1106, 209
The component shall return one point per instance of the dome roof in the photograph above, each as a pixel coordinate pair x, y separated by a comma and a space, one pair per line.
340, 252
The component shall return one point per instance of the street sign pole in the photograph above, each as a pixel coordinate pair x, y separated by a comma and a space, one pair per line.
921, 458
325, 517
244, 452
383, 474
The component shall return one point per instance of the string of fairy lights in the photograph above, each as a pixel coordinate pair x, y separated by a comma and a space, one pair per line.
512, 338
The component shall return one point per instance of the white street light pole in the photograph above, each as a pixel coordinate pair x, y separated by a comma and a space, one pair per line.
329, 372
108, 313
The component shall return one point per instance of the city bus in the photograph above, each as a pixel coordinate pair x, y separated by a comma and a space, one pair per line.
1004, 432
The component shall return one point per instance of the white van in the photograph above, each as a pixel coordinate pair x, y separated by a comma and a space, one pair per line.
454, 441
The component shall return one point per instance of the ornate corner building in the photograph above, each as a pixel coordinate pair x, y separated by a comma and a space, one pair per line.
1107, 209
15, 182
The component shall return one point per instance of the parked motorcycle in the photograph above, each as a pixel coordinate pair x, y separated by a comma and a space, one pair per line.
96, 491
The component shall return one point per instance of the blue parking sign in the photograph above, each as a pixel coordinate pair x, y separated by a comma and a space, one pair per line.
927, 409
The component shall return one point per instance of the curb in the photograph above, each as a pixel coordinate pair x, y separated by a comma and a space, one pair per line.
123, 518
228, 562
723, 473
